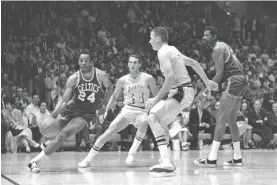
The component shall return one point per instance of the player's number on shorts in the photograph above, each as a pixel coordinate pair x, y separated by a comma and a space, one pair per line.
90, 98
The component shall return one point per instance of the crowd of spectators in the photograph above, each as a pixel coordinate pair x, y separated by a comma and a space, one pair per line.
41, 42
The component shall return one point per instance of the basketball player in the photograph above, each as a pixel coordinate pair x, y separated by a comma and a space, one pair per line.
136, 88
181, 94
87, 84
230, 71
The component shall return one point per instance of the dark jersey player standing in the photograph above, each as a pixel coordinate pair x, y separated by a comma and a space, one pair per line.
76, 112
230, 71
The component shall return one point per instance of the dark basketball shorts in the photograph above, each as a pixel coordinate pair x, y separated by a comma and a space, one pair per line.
236, 86
72, 111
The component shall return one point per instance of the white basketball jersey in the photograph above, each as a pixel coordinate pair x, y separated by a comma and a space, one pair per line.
179, 68
136, 91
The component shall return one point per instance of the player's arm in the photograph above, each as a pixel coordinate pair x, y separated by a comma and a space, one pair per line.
107, 84
218, 56
199, 70
70, 83
116, 93
152, 86
168, 74
196, 67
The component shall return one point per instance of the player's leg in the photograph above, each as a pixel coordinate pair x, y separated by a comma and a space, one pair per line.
160, 116
85, 134
118, 124
226, 103
78, 140
141, 124
232, 122
73, 127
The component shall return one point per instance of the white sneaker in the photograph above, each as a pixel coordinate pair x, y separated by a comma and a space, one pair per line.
166, 165
130, 160
84, 164
185, 145
33, 167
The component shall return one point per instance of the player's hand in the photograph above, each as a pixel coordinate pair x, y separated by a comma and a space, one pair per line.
54, 114
211, 85
150, 103
101, 119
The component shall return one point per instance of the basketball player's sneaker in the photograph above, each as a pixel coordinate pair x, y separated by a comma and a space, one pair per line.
233, 162
166, 165
185, 146
130, 160
205, 162
44, 144
84, 164
33, 167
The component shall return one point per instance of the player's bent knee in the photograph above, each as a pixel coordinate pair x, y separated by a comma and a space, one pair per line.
152, 118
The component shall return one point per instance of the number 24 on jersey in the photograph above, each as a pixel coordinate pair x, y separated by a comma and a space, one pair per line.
90, 98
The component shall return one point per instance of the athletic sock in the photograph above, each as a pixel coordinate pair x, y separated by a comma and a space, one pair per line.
214, 150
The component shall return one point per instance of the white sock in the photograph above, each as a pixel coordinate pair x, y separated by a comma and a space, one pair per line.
237, 153
38, 157
92, 153
135, 146
164, 152
169, 152
214, 150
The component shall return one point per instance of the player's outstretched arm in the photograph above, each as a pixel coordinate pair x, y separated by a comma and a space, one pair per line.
114, 96
70, 83
199, 70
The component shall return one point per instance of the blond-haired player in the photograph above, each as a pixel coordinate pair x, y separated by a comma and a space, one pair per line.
181, 94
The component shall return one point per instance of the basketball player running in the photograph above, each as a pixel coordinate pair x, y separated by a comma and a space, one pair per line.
136, 88
229, 70
181, 94
87, 84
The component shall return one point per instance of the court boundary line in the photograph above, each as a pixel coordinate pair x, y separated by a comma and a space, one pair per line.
8, 179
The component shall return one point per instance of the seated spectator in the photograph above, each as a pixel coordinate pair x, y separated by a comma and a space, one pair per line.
257, 118
200, 120
272, 118
245, 131
14, 116
244, 108
30, 111
268, 100
41, 117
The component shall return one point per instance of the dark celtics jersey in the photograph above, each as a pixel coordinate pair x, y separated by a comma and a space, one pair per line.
232, 65
87, 93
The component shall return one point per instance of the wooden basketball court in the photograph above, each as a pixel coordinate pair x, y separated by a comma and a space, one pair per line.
109, 168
